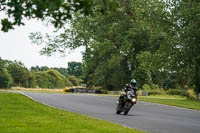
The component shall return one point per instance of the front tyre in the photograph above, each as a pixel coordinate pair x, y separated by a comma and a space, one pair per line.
127, 108
126, 112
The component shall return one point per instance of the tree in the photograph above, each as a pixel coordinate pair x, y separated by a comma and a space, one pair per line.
110, 57
31, 80
51, 79
44, 68
61, 70
138, 27
188, 33
74, 68
144, 71
55, 11
19, 73
35, 69
5, 78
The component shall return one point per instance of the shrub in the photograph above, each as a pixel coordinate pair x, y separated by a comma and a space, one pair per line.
55, 74
191, 94
51, 79
139, 92
156, 92
74, 80
67, 82
154, 87
96, 88
146, 87
176, 92
44, 80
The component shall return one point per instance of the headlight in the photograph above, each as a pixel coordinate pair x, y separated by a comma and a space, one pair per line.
133, 99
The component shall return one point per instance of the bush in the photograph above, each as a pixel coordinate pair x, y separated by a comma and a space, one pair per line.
150, 87
154, 87
74, 80
96, 88
5, 78
51, 79
156, 92
146, 87
191, 94
67, 82
177, 92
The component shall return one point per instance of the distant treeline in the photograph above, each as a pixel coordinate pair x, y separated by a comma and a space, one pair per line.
14, 73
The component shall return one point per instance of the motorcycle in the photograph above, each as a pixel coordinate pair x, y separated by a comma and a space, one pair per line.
126, 102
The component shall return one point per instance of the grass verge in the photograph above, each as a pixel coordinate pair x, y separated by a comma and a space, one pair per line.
19, 114
40, 90
172, 100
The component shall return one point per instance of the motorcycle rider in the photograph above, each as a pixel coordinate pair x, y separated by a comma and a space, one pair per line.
130, 86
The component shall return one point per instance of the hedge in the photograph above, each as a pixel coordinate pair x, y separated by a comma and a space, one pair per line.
177, 92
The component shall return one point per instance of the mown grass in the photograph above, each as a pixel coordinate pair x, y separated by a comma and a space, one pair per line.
40, 90
19, 114
172, 100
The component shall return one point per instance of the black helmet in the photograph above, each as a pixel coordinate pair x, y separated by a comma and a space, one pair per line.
133, 82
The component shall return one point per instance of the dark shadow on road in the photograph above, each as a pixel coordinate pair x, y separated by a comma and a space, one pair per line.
131, 115
126, 115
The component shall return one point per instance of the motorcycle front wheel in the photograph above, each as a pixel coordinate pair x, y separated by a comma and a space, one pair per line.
127, 108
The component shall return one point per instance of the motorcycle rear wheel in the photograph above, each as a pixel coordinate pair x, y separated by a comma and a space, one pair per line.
118, 109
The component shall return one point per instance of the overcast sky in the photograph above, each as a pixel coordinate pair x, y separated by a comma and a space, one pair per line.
16, 45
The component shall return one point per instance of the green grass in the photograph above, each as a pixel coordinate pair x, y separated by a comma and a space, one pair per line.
19, 114
36, 90
172, 100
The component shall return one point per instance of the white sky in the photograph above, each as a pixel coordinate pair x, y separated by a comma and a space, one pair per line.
16, 45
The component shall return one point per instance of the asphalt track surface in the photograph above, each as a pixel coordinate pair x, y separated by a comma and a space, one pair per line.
153, 118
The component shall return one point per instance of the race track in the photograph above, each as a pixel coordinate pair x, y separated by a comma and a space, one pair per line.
153, 118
